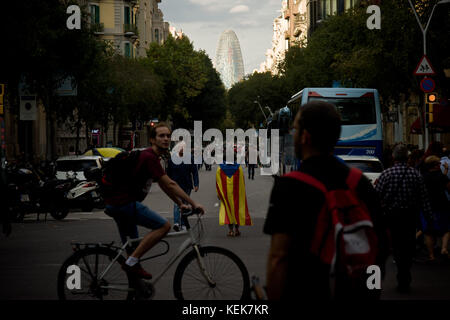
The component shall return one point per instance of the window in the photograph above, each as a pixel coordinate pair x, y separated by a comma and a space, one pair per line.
331, 7
127, 50
353, 111
95, 13
348, 4
157, 35
127, 15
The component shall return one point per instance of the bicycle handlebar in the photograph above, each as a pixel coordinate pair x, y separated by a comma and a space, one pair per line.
185, 213
189, 212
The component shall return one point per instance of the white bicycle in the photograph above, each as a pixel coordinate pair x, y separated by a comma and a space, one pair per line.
204, 273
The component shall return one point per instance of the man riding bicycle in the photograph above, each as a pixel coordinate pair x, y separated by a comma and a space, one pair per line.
128, 211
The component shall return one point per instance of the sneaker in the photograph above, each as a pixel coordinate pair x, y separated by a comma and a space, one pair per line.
176, 227
183, 228
137, 271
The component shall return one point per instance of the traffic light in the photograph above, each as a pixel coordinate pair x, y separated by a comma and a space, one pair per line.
430, 112
431, 97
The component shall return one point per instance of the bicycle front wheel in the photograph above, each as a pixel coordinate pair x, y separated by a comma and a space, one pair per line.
225, 276
79, 276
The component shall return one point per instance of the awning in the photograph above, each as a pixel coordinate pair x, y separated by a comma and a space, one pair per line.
440, 124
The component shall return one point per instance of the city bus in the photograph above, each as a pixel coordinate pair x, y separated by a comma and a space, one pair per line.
361, 133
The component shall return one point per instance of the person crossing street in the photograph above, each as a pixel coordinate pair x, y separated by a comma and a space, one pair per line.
403, 195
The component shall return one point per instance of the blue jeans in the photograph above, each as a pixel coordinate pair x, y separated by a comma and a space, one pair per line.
129, 216
176, 211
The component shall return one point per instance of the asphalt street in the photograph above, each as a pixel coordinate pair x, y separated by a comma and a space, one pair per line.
31, 257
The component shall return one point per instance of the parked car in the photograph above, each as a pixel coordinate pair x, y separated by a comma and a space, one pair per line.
74, 166
369, 165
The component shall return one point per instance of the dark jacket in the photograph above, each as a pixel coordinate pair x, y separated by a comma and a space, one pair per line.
186, 175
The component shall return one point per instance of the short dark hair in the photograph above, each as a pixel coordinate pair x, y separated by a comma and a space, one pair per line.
323, 122
158, 125
400, 153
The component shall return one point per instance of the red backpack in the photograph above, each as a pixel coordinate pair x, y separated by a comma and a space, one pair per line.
344, 237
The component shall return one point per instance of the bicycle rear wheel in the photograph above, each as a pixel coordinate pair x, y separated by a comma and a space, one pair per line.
228, 273
92, 262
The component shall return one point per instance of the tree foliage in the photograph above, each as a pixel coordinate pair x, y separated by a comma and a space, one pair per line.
192, 88
344, 49
243, 98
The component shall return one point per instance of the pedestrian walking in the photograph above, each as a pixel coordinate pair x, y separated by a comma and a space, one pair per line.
230, 186
437, 183
403, 195
251, 166
298, 220
186, 175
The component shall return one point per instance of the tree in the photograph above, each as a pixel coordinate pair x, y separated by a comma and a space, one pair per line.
343, 49
43, 52
192, 90
209, 105
244, 96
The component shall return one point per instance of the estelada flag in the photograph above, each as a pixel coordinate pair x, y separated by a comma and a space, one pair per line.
230, 186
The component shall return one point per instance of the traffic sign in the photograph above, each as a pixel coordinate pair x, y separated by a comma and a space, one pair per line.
427, 85
424, 67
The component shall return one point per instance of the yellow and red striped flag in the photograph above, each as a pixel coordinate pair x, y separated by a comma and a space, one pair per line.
230, 186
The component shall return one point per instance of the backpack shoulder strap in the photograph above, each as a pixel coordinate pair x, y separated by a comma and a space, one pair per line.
353, 178
308, 179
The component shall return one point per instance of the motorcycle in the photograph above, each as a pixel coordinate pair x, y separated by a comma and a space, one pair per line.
29, 192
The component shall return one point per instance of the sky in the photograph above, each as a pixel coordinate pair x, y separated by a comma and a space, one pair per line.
204, 20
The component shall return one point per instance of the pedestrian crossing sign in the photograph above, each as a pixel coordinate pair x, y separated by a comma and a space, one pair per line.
424, 67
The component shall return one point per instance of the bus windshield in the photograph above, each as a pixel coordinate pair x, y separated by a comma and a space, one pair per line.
353, 111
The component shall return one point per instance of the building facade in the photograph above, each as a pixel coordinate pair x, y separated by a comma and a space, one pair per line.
229, 62
289, 29
130, 26
319, 10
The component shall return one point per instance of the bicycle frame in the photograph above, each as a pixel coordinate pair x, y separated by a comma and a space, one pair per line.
189, 242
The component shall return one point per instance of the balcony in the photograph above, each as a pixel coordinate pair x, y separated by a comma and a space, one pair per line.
130, 30
97, 28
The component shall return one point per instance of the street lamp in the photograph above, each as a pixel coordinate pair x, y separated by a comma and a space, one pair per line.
424, 31
424, 34
256, 101
271, 113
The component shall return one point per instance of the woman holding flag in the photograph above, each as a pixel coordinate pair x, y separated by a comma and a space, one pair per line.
230, 186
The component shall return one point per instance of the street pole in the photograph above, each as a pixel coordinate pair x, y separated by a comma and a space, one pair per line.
256, 101
424, 34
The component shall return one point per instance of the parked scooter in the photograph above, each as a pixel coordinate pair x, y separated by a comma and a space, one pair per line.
85, 194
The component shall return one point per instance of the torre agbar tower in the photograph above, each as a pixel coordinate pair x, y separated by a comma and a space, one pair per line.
229, 58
